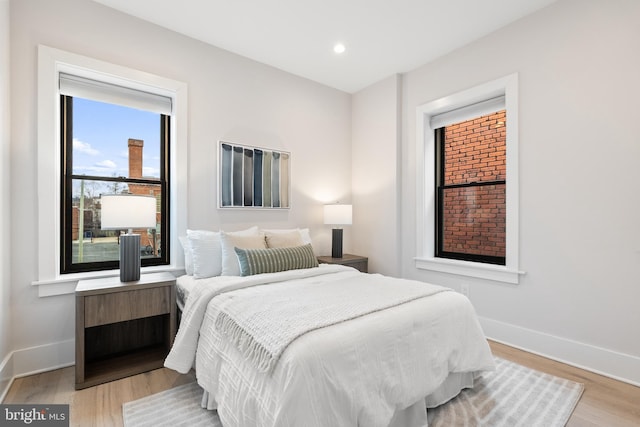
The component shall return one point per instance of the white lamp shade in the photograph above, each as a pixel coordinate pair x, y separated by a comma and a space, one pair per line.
127, 211
337, 214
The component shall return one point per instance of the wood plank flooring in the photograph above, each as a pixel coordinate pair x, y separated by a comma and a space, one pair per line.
99, 406
605, 402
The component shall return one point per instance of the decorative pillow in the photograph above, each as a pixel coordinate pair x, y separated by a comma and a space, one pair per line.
188, 256
273, 260
304, 233
230, 265
206, 254
283, 240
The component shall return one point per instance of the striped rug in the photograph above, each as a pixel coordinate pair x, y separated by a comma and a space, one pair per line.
179, 406
512, 395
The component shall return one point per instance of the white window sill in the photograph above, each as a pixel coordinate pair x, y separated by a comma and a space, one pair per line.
66, 284
478, 270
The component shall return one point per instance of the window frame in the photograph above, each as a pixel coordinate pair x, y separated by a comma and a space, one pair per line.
66, 181
426, 258
51, 63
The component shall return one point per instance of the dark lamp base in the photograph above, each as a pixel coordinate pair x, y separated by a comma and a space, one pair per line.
336, 243
129, 257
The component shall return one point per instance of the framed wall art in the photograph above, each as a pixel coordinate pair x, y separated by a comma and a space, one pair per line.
252, 177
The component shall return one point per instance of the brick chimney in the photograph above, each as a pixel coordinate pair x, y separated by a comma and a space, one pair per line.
135, 158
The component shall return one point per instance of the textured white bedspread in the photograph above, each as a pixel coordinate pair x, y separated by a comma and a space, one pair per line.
262, 321
362, 372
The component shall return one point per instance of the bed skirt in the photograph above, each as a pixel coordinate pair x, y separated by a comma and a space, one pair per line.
416, 414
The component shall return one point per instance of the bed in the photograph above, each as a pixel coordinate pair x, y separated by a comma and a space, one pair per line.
380, 369
294, 343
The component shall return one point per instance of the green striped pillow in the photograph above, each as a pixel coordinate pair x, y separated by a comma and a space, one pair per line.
273, 260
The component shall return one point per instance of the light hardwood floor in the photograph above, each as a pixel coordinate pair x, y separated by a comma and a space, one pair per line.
96, 406
605, 402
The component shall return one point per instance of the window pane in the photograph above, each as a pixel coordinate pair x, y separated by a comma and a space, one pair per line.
92, 244
475, 150
474, 220
110, 149
115, 141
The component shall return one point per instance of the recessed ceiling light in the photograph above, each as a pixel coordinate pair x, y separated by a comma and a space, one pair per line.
339, 48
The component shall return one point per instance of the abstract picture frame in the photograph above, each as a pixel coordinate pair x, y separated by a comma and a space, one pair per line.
251, 177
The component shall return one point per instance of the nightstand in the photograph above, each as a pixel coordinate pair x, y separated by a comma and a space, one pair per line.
123, 328
358, 262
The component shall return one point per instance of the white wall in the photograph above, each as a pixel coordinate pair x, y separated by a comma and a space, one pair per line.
230, 98
376, 192
578, 63
5, 253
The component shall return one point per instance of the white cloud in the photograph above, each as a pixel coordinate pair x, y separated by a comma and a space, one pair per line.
106, 164
101, 168
84, 147
150, 172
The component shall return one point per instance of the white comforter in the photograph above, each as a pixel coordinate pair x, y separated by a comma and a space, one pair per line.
363, 372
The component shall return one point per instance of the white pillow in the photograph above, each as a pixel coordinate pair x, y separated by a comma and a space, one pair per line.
206, 255
306, 237
188, 256
283, 240
206, 251
304, 233
230, 263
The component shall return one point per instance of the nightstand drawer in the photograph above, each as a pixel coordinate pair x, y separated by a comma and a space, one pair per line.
122, 306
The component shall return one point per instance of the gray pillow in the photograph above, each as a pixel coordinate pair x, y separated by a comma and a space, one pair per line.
273, 260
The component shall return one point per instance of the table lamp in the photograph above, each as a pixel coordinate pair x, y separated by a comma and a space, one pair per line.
128, 211
337, 215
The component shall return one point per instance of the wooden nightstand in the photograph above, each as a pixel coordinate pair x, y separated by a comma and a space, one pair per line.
358, 262
123, 329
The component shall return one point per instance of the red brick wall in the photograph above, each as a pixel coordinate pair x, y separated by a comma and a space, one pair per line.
135, 157
474, 217
147, 190
135, 171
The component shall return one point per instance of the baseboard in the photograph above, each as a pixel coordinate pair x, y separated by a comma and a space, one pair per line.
602, 361
616, 365
6, 375
35, 360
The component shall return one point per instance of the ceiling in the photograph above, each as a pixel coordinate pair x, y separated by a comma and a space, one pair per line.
382, 37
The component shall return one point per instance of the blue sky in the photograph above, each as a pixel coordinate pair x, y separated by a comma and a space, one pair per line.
100, 135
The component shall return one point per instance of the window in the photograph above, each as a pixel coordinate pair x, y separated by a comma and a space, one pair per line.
110, 148
143, 91
467, 182
470, 165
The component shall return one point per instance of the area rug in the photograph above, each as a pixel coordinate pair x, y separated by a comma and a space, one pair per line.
512, 395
